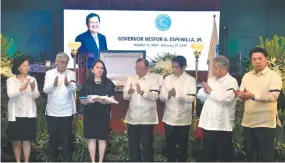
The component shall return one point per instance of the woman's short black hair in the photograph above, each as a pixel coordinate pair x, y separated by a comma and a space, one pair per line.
258, 50
91, 15
180, 60
17, 62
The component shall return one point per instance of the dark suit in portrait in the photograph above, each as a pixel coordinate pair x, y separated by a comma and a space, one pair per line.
89, 45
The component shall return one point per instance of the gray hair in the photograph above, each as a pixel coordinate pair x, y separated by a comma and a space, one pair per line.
61, 55
222, 61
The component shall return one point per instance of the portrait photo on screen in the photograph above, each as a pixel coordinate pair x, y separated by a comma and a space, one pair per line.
156, 32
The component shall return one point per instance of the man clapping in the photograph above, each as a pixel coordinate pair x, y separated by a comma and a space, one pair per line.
60, 107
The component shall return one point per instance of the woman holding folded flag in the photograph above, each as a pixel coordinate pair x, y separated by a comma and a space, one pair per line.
96, 113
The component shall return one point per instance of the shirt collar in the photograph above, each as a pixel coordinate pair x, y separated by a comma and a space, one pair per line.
63, 73
223, 78
143, 78
15, 78
263, 72
181, 76
95, 35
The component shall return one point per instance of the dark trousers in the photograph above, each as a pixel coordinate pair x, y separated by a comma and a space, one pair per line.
177, 135
217, 146
140, 135
60, 127
259, 144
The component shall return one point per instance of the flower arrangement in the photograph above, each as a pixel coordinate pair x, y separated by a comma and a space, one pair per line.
276, 55
163, 64
6, 43
6, 61
274, 65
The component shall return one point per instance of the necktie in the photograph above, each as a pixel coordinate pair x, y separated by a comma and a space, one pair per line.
97, 41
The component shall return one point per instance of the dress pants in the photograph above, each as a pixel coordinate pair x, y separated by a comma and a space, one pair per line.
217, 146
259, 144
140, 135
60, 127
177, 135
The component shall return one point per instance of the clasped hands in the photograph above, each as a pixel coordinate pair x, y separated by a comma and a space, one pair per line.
138, 88
66, 82
244, 95
172, 93
207, 88
25, 85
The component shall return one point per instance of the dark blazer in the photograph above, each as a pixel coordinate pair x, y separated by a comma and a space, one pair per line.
88, 45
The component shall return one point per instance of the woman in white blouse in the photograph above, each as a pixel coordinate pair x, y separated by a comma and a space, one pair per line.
22, 90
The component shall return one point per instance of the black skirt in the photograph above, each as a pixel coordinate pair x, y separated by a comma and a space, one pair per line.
96, 122
23, 129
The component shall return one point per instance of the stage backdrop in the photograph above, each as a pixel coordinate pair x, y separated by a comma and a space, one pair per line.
154, 31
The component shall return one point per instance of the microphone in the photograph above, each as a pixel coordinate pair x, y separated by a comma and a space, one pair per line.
152, 60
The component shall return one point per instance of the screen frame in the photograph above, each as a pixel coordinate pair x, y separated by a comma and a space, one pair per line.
120, 81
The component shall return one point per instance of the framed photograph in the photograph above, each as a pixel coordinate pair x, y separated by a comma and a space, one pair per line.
120, 64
